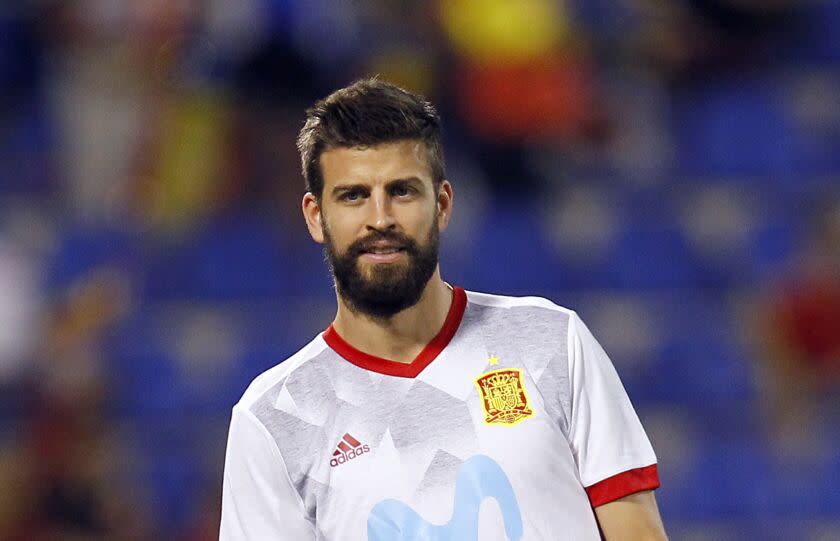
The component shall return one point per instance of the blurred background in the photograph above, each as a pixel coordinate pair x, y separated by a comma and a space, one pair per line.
671, 170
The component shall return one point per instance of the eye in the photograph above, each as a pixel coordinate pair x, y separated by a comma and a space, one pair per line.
401, 190
351, 195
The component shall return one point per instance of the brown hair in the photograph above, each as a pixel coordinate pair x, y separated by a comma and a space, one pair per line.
367, 113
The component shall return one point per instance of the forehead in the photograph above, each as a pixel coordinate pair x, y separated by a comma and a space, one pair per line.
375, 164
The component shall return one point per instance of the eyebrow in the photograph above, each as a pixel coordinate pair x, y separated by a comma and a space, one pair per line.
346, 187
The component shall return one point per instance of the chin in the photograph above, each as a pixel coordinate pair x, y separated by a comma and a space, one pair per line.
373, 270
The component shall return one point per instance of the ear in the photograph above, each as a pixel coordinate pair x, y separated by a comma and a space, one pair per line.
312, 214
444, 204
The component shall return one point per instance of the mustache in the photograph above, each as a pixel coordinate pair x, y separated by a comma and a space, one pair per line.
363, 245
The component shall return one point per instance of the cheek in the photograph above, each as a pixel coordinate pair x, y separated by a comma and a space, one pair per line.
421, 219
433, 222
339, 230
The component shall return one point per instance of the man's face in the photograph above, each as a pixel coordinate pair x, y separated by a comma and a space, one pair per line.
379, 218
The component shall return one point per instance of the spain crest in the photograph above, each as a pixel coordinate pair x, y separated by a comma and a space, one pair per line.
503, 396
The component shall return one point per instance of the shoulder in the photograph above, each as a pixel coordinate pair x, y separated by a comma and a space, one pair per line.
505, 301
277, 374
533, 319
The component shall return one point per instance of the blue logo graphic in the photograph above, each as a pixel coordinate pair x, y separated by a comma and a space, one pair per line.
479, 477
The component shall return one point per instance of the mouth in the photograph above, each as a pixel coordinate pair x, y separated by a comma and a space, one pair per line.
383, 252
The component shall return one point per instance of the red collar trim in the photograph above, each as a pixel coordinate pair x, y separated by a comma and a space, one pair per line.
394, 368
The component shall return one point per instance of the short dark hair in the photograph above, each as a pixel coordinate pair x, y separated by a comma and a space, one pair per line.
369, 112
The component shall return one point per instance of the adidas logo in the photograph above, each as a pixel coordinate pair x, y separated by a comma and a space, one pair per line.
348, 449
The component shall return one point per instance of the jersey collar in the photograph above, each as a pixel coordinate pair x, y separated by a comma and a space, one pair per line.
394, 368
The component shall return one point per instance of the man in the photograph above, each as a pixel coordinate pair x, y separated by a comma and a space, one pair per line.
422, 404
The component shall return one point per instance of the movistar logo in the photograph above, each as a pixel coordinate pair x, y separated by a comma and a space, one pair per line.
478, 477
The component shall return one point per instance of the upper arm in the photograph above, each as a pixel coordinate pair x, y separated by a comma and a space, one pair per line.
613, 454
631, 518
258, 499
615, 460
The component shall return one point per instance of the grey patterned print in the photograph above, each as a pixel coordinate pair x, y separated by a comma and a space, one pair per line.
453, 427
440, 473
299, 441
322, 397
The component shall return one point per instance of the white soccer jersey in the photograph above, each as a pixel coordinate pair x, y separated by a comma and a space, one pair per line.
511, 424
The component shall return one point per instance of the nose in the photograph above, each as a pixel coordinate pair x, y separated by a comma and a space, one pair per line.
382, 216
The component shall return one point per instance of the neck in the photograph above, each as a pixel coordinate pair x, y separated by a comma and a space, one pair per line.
403, 336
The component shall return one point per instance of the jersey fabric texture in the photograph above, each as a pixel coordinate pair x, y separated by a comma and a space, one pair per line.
511, 424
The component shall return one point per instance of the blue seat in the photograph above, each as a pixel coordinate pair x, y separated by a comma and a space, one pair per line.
805, 488
731, 480
172, 479
141, 370
770, 234
234, 257
822, 43
735, 129
699, 362
648, 257
512, 255
26, 144
83, 249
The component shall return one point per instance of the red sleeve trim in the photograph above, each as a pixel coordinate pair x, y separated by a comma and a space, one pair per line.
623, 484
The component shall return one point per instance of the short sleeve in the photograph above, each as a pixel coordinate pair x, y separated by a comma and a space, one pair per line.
258, 500
613, 454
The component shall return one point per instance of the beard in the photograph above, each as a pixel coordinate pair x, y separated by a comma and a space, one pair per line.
383, 290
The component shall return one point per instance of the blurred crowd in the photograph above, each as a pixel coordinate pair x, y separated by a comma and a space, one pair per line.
671, 170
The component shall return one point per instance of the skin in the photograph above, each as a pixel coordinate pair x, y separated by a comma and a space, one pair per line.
387, 187
390, 187
631, 518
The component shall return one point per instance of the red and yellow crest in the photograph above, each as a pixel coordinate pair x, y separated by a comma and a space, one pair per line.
503, 396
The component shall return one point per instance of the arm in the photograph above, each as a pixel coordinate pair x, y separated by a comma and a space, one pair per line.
616, 461
631, 518
258, 499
